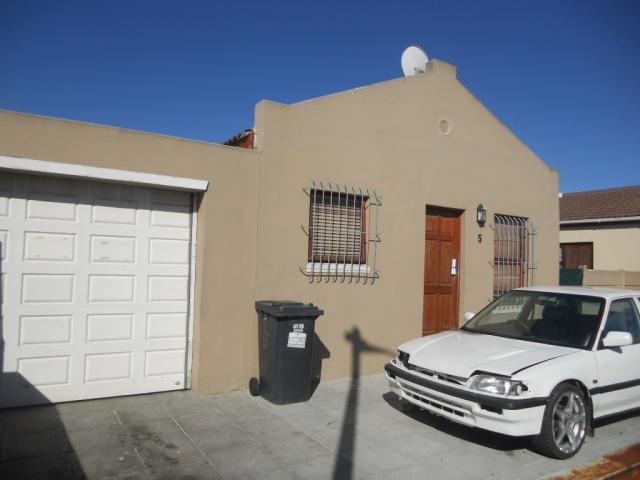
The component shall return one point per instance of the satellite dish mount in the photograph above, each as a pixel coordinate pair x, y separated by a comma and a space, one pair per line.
414, 60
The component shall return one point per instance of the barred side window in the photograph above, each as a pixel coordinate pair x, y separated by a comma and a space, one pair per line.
342, 233
512, 245
338, 228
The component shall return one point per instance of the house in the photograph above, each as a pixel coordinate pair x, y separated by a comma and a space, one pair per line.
600, 229
132, 261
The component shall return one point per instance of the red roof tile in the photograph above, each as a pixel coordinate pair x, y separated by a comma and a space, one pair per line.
608, 203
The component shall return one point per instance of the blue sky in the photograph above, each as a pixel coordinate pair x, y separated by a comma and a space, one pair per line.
563, 75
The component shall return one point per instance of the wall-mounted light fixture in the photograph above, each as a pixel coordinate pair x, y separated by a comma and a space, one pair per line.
481, 215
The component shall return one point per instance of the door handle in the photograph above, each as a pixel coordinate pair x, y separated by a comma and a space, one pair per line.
454, 266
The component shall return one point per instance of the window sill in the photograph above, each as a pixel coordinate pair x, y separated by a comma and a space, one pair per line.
337, 268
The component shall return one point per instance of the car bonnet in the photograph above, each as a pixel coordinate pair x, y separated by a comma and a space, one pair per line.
462, 353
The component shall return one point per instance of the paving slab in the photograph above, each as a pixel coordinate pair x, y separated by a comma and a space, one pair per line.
223, 439
347, 430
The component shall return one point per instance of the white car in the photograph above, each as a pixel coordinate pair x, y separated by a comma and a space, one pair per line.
543, 362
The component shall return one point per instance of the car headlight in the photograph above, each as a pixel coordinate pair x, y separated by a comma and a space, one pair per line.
497, 385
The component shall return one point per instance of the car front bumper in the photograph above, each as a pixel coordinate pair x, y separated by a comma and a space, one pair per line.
515, 417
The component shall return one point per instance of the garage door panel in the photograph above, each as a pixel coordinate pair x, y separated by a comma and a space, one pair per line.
96, 289
60, 208
45, 329
47, 288
112, 288
165, 363
112, 249
48, 246
165, 217
168, 251
168, 288
46, 371
166, 325
101, 367
109, 327
115, 213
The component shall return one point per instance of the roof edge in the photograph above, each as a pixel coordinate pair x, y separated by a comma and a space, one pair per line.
433, 66
115, 127
601, 220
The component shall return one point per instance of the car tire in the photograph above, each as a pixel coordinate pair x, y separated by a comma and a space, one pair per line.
564, 423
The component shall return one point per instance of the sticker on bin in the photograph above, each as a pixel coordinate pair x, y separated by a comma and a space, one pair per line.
297, 340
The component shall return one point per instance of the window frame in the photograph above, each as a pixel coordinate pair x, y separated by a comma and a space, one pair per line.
338, 261
523, 259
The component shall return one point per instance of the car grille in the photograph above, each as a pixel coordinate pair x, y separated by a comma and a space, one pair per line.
434, 401
437, 375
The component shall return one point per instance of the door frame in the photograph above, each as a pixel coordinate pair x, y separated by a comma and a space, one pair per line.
452, 212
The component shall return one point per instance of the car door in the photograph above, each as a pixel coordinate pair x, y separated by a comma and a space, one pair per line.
618, 386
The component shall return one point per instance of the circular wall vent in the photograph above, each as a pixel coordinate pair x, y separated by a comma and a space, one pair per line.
444, 127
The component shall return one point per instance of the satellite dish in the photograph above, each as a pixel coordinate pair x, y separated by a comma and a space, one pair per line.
414, 60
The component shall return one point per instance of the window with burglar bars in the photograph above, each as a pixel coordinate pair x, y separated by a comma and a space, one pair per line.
338, 228
341, 232
513, 253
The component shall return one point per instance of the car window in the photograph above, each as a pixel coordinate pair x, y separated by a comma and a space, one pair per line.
507, 309
623, 317
556, 318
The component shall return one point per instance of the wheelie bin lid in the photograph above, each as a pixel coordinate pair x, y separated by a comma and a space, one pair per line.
288, 308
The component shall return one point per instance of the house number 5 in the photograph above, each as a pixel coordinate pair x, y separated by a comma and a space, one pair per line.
479, 238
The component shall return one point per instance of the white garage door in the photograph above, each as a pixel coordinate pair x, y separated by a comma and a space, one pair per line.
95, 289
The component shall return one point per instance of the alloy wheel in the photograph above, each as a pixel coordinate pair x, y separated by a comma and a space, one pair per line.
569, 422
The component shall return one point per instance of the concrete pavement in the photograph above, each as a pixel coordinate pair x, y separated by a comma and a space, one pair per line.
349, 429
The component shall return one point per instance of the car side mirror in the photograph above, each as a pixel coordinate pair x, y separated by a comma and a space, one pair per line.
617, 339
468, 316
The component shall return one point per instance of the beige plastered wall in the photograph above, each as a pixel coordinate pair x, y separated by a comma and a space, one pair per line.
615, 247
385, 137
226, 232
612, 279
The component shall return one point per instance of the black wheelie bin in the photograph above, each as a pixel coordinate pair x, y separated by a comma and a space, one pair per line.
285, 336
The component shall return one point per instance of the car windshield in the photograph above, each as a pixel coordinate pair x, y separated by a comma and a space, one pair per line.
556, 318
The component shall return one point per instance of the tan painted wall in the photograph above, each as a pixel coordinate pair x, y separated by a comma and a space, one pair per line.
612, 279
250, 244
614, 247
385, 137
226, 237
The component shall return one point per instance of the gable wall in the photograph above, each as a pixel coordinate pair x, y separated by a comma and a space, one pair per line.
385, 137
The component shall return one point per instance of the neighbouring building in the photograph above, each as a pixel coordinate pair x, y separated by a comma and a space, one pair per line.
600, 229
131, 261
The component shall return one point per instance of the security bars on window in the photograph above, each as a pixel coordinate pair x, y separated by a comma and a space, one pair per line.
513, 252
342, 233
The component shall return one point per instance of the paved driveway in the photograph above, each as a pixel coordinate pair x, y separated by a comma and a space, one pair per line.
342, 432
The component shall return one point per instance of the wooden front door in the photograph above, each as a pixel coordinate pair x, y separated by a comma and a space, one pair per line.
441, 267
575, 255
